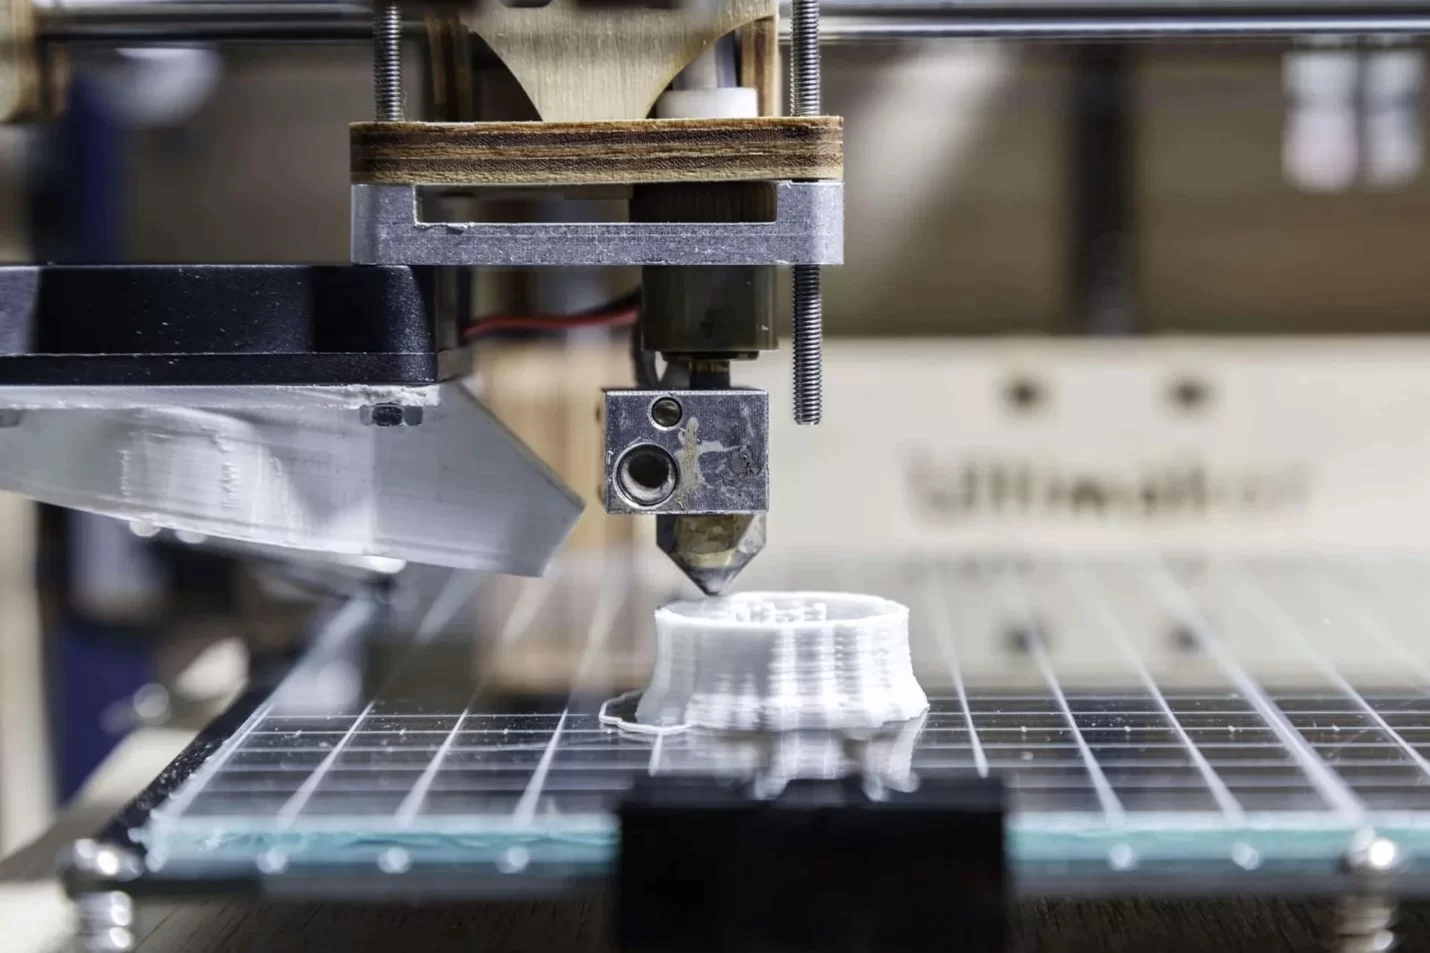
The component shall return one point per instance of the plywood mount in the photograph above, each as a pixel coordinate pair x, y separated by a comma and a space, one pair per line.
598, 153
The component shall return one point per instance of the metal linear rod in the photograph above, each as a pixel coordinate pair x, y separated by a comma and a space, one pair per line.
1061, 9
842, 27
138, 21
174, 21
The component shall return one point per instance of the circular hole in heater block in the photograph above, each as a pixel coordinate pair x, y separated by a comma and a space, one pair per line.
646, 475
666, 412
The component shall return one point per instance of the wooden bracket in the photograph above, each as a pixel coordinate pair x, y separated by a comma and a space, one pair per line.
587, 62
598, 153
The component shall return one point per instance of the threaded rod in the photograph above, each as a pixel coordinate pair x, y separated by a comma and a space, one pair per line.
808, 345
808, 309
387, 62
804, 58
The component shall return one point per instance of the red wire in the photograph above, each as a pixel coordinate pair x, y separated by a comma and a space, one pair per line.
619, 317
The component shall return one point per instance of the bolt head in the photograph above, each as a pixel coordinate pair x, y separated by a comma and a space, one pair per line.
392, 415
1382, 854
1371, 853
104, 861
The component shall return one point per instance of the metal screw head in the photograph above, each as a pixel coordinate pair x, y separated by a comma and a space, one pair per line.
394, 860
1122, 857
1371, 853
387, 415
272, 861
108, 862
392, 415
514, 860
1245, 856
104, 861
1382, 855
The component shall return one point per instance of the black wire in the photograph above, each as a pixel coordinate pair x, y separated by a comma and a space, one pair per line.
643, 361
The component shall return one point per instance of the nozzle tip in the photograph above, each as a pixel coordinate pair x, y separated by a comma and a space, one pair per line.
711, 549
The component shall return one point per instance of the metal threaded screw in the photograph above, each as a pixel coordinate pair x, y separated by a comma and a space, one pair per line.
804, 58
1366, 915
808, 345
105, 921
387, 62
808, 305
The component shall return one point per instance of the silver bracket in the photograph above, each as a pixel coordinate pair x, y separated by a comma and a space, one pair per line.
424, 474
808, 229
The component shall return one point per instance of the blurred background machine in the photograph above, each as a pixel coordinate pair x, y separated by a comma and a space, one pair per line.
1125, 402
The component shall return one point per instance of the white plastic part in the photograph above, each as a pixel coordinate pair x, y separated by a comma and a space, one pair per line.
781, 661
727, 102
706, 89
704, 71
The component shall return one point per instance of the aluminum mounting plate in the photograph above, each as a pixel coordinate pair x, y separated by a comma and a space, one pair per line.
300, 467
808, 229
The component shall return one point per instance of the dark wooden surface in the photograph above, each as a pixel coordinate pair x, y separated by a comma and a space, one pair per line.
598, 153
1123, 926
1252, 926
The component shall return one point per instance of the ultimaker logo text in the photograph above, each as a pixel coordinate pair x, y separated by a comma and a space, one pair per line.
959, 488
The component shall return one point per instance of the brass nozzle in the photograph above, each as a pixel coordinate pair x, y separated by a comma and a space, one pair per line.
711, 549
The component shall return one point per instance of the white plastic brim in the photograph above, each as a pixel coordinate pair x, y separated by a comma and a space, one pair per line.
779, 661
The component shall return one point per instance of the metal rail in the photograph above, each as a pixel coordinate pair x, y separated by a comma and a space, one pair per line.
844, 27
175, 21
148, 21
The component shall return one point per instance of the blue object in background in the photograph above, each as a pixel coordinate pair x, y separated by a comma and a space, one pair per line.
78, 205
95, 667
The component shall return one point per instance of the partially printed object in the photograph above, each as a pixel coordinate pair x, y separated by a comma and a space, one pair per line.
781, 661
